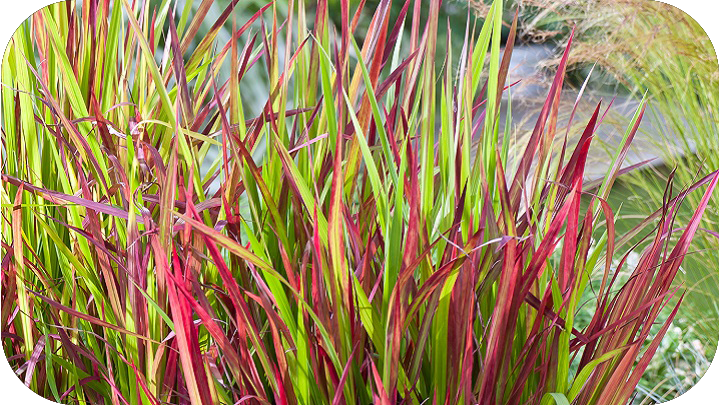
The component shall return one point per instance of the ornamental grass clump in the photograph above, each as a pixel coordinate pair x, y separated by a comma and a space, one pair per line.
367, 236
655, 48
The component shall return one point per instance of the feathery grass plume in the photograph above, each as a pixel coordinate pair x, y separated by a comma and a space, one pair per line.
363, 238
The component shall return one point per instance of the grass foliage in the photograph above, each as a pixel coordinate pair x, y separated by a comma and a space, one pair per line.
367, 237
640, 47
683, 89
